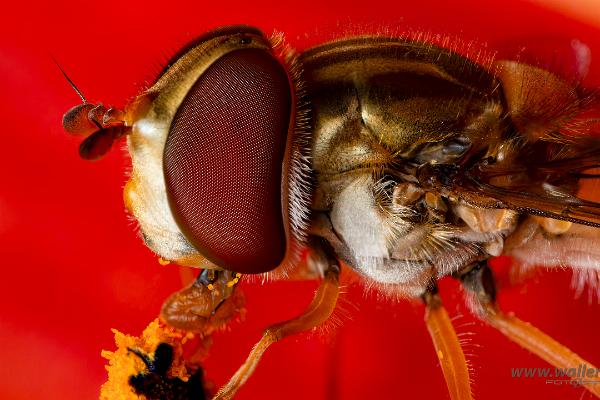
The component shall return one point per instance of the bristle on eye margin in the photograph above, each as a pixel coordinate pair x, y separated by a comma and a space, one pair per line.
300, 179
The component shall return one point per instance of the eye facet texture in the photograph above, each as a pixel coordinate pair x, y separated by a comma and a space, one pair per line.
223, 161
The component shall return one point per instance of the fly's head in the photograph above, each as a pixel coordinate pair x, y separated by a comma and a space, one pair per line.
219, 154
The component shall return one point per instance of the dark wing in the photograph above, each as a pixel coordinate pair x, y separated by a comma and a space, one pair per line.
530, 185
554, 148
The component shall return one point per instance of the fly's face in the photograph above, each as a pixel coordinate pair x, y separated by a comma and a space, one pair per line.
218, 157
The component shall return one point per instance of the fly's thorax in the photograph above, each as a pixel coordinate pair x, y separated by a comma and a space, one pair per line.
376, 100
381, 109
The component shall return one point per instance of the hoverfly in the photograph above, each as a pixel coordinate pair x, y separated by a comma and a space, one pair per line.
403, 161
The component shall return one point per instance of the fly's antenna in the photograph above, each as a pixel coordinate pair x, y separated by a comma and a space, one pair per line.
81, 96
100, 126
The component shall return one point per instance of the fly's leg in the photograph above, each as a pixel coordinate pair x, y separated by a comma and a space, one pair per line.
447, 347
318, 311
479, 283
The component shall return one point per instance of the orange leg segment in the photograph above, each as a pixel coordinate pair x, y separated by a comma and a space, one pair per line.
542, 345
447, 347
317, 312
479, 282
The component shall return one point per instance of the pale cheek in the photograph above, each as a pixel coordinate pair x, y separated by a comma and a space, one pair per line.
356, 219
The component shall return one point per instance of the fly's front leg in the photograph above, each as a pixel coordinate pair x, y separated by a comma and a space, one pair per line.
319, 310
481, 291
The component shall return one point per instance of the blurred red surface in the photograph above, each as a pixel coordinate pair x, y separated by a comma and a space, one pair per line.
73, 267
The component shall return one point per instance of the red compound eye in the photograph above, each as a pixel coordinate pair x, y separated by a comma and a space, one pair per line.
223, 161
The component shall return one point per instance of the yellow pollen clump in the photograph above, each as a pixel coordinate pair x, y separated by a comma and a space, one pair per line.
122, 363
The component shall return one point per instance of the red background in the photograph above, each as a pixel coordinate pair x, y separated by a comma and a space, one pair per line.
72, 267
